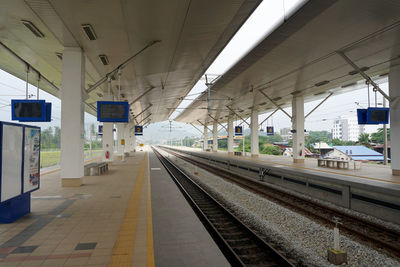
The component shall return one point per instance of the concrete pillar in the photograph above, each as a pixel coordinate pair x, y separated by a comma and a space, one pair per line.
230, 135
72, 117
127, 138
120, 136
108, 138
394, 93
298, 126
215, 137
205, 140
254, 133
133, 141
108, 141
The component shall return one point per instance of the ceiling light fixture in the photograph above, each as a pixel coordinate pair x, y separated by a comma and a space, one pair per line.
348, 85
88, 29
321, 83
104, 59
353, 72
33, 28
59, 55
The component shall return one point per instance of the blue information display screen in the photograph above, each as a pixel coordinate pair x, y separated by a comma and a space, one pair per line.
28, 110
109, 111
378, 115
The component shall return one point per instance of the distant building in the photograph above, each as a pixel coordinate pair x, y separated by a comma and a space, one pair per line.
379, 148
323, 148
288, 152
286, 133
347, 129
360, 153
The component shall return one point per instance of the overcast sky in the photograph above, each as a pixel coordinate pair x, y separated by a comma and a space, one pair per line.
269, 15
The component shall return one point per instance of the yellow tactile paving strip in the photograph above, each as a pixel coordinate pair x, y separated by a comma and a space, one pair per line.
150, 239
134, 246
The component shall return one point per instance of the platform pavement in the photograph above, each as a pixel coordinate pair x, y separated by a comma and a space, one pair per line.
108, 222
371, 172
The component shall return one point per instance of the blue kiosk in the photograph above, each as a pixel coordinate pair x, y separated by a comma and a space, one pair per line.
19, 169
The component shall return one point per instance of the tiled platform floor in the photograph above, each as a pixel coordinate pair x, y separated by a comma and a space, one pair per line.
73, 226
109, 221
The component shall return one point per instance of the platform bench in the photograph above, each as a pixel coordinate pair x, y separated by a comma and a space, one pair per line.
95, 168
237, 153
334, 163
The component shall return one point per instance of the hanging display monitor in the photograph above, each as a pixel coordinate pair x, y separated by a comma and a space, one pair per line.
28, 110
362, 116
238, 130
377, 115
138, 130
48, 112
112, 111
270, 130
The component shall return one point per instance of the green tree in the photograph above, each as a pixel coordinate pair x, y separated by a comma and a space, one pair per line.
271, 150
46, 138
364, 140
223, 144
57, 137
378, 136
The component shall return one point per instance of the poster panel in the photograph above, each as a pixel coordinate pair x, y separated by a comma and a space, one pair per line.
31, 159
11, 149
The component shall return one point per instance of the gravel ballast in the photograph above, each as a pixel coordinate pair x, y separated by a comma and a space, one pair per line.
300, 237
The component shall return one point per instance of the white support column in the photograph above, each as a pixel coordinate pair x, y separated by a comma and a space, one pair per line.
230, 136
127, 138
215, 137
394, 93
298, 126
133, 141
108, 138
254, 133
72, 117
120, 136
205, 140
108, 141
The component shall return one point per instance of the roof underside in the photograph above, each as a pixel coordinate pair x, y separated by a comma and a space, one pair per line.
192, 34
300, 58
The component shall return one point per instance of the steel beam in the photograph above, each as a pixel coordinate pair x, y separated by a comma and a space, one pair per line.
276, 105
363, 74
326, 98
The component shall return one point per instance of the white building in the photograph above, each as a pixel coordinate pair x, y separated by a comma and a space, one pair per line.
348, 129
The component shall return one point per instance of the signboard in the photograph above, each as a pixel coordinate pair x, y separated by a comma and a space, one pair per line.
270, 130
238, 130
138, 130
31, 159
100, 131
373, 116
377, 115
19, 159
112, 111
122, 142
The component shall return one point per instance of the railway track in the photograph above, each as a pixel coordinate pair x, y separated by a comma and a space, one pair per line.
370, 233
240, 245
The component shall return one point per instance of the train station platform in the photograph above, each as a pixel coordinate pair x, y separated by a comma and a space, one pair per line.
367, 172
133, 215
372, 190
